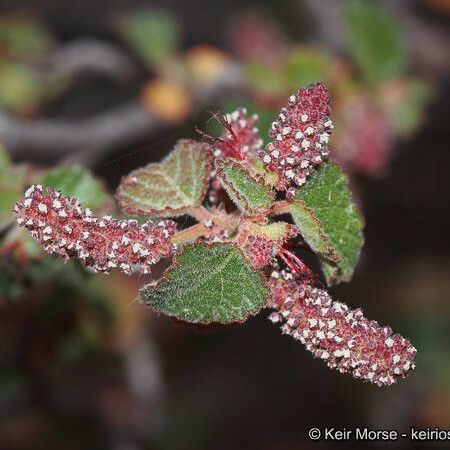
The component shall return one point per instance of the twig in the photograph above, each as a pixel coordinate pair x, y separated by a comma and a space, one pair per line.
91, 55
86, 141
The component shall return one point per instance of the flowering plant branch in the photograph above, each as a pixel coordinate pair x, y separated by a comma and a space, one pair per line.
240, 256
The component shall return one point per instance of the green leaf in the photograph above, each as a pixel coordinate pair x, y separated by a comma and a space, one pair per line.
78, 183
304, 66
170, 188
153, 34
248, 191
311, 230
374, 41
329, 221
208, 284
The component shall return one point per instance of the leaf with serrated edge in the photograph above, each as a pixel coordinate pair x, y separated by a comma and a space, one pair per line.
208, 283
249, 192
170, 188
311, 230
329, 221
274, 231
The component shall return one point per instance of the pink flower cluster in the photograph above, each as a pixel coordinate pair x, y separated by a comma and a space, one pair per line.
300, 137
342, 337
63, 228
261, 250
241, 137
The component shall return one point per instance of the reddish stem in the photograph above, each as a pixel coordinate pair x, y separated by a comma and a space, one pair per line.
223, 121
296, 264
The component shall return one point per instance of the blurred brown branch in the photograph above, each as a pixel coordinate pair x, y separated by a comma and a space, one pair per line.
91, 55
426, 40
85, 141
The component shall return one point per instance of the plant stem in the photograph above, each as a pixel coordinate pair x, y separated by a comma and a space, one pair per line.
201, 214
190, 234
281, 207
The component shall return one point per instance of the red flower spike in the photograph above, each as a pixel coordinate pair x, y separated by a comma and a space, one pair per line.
296, 264
342, 337
261, 250
63, 228
301, 135
241, 138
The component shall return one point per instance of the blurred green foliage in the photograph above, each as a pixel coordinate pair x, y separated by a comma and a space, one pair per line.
265, 78
18, 86
77, 183
11, 187
23, 37
305, 65
24, 89
410, 111
374, 41
153, 34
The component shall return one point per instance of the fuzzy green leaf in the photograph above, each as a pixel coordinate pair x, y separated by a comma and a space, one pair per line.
374, 41
170, 188
248, 191
208, 284
311, 230
329, 222
78, 183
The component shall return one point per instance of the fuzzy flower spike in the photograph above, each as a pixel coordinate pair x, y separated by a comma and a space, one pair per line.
240, 139
300, 137
63, 228
343, 338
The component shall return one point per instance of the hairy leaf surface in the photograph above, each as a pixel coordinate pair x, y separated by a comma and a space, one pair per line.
329, 222
169, 188
208, 284
249, 192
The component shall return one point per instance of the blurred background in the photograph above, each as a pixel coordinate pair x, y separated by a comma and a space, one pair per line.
90, 90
